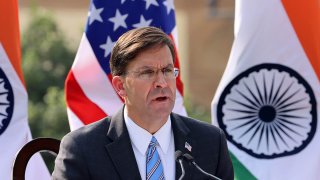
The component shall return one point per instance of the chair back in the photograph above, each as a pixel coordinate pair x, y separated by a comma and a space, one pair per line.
29, 149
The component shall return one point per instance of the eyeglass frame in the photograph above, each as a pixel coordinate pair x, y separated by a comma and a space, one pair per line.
155, 71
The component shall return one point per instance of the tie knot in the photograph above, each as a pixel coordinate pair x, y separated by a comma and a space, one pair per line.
153, 141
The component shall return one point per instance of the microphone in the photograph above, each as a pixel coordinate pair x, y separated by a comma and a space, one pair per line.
179, 157
191, 159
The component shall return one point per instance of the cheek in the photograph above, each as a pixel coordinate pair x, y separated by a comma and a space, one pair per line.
173, 87
139, 90
145, 91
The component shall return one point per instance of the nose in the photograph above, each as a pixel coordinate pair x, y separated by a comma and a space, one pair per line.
160, 80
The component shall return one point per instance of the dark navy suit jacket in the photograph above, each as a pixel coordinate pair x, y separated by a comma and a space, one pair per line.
102, 150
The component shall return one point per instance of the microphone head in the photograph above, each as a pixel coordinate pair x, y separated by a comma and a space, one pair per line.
188, 157
178, 154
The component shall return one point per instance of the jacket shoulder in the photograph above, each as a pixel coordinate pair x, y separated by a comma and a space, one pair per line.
197, 125
93, 130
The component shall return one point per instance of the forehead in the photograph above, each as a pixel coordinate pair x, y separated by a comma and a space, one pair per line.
157, 56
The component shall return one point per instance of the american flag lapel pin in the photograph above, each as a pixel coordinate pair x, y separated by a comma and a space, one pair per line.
188, 146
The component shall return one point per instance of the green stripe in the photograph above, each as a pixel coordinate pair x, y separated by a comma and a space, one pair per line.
240, 172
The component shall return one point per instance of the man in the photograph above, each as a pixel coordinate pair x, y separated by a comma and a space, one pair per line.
139, 142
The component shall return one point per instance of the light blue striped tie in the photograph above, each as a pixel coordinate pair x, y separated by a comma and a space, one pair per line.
154, 165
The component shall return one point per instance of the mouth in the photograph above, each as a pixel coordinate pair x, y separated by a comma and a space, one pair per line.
161, 99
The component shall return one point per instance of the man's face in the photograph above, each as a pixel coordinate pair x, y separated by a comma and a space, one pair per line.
149, 86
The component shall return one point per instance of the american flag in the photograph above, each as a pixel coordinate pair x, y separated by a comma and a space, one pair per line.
89, 92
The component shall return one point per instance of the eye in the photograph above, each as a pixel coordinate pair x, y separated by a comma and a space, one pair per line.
167, 71
146, 73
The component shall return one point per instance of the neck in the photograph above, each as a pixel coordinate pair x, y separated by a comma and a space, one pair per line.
150, 123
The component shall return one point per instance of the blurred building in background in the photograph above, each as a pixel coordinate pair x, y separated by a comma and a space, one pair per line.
205, 30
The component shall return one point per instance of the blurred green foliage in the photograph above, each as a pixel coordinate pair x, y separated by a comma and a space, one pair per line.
46, 63
197, 112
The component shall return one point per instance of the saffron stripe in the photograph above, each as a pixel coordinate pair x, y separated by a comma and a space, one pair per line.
305, 18
10, 35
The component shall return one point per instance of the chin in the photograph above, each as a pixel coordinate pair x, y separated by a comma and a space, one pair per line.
161, 108
163, 111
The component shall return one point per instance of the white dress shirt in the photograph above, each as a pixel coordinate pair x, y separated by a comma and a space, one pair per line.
140, 140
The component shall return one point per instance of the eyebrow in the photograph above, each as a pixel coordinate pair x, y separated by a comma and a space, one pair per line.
149, 67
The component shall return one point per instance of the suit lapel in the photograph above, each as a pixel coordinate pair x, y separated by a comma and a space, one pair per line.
180, 132
120, 150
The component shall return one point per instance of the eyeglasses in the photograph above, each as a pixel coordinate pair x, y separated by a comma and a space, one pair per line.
151, 73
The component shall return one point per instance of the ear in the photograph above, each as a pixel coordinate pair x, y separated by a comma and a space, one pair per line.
117, 83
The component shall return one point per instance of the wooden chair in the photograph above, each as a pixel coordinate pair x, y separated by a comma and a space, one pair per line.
29, 149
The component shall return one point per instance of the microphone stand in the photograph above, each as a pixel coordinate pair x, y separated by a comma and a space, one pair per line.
182, 170
178, 156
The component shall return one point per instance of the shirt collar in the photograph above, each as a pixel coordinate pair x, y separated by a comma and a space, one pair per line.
141, 138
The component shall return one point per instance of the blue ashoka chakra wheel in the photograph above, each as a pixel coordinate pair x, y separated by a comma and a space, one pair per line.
6, 102
268, 111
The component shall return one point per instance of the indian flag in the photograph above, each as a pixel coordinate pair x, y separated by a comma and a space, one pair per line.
14, 128
267, 100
